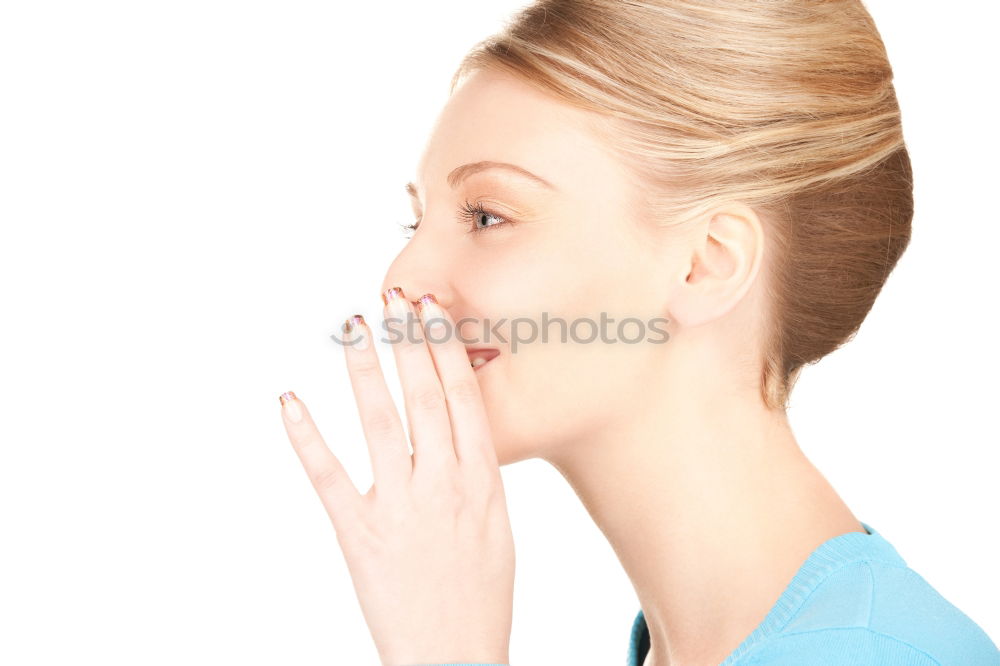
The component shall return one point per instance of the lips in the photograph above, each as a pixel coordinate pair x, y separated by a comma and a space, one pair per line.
480, 356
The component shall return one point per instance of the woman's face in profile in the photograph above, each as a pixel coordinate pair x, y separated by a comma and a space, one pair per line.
508, 251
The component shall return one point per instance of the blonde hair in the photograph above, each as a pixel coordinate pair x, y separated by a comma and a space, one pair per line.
785, 105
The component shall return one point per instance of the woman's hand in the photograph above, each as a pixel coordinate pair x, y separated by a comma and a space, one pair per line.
429, 546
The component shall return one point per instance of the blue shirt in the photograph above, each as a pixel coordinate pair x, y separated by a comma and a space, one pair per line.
854, 602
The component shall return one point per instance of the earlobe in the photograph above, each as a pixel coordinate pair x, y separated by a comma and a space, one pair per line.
725, 260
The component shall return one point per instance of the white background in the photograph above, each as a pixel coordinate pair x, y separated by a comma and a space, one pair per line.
194, 195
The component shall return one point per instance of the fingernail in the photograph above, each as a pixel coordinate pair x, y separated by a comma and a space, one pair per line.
400, 311
356, 333
425, 305
291, 406
391, 293
432, 315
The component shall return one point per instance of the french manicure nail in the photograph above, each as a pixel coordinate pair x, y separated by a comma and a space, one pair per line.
291, 406
391, 293
432, 314
356, 333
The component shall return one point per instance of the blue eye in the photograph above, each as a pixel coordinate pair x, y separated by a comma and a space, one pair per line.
479, 218
474, 214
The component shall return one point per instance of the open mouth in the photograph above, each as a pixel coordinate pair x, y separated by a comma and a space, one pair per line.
481, 356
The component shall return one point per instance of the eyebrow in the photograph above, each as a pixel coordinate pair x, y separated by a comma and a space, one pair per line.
461, 173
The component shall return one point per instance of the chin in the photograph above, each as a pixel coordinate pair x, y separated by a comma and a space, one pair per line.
520, 421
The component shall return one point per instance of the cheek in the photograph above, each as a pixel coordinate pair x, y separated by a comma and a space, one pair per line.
545, 393
567, 275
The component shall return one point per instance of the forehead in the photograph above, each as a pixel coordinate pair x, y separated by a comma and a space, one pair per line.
496, 116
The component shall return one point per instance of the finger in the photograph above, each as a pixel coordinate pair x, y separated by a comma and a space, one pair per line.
336, 490
469, 424
430, 429
387, 443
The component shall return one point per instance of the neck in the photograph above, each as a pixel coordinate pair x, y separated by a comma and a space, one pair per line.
711, 507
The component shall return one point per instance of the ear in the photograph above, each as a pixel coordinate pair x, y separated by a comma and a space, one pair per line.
725, 258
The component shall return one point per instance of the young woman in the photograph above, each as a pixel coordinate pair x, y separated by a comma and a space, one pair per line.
721, 185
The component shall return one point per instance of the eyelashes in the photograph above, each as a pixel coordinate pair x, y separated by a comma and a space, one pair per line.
408, 229
472, 215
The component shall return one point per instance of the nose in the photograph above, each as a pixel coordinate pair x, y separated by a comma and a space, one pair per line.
420, 269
